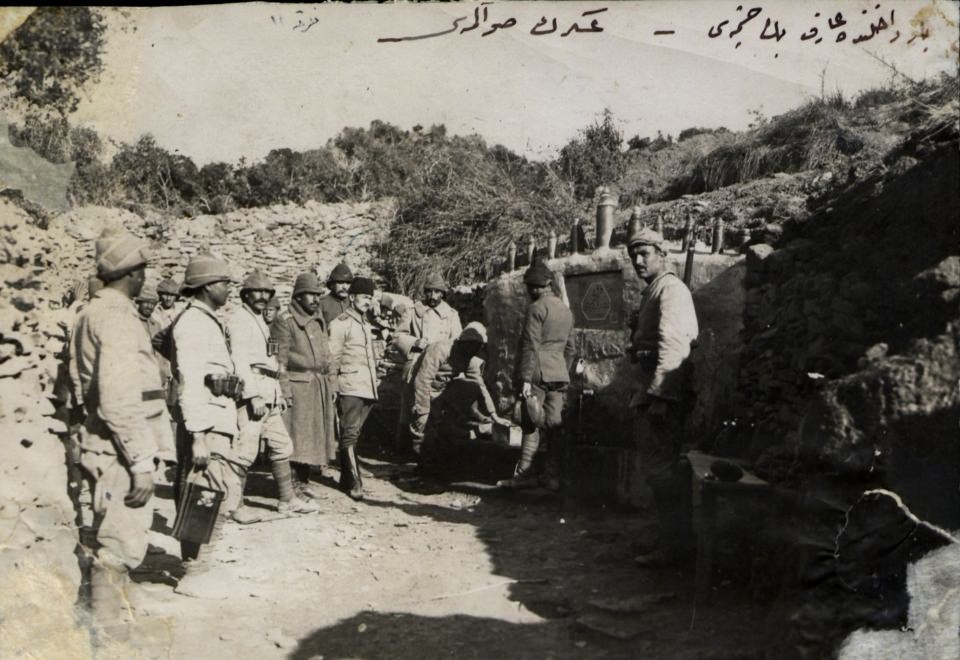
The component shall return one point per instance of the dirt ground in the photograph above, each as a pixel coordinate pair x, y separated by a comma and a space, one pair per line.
416, 572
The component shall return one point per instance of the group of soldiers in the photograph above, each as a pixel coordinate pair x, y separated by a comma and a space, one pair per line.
162, 380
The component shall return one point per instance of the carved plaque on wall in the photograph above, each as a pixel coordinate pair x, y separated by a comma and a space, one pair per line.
596, 299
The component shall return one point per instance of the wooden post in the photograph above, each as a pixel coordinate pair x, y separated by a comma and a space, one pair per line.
659, 226
576, 236
531, 250
688, 238
688, 266
717, 246
552, 245
511, 256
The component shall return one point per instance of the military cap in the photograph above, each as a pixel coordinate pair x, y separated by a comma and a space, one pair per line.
273, 303
118, 252
645, 236
340, 273
474, 331
148, 294
362, 286
257, 281
306, 283
436, 282
205, 269
538, 275
168, 285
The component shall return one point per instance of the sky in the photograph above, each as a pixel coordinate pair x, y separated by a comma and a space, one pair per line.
222, 82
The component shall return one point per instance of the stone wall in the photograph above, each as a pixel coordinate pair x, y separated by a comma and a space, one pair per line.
282, 241
39, 572
716, 284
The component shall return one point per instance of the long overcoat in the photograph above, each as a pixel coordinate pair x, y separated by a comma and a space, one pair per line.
304, 356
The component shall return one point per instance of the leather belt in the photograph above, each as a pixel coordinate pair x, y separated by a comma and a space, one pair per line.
301, 370
153, 395
263, 371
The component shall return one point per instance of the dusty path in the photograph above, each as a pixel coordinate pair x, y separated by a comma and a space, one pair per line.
468, 573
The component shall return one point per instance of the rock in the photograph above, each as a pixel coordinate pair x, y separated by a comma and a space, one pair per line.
945, 275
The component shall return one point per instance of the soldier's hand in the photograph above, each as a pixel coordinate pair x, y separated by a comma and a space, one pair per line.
141, 489
525, 391
258, 407
283, 404
201, 453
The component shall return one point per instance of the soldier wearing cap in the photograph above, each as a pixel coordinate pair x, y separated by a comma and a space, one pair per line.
664, 329
261, 415
146, 303
168, 293
304, 359
353, 364
543, 375
446, 408
270, 310
336, 300
125, 420
207, 448
426, 322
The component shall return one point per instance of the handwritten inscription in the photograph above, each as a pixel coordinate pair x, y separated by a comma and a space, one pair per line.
543, 27
754, 23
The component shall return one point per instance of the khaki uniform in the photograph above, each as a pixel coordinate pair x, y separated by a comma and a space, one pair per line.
546, 354
665, 327
126, 421
353, 364
200, 350
248, 336
432, 324
459, 404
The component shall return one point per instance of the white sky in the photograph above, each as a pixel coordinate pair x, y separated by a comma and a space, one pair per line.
221, 82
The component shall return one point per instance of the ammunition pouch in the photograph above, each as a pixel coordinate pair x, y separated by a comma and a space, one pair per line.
224, 385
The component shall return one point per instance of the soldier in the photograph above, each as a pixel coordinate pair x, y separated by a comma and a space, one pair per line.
354, 366
270, 310
449, 408
426, 322
336, 302
125, 421
261, 415
169, 294
207, 449
146, 303
304, 359
543, 374
665, 328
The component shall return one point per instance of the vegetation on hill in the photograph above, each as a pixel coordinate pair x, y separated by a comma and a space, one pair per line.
459, 201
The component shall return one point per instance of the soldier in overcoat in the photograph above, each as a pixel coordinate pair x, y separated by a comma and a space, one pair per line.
303, 355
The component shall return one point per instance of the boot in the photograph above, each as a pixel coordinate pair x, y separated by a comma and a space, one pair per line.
523, 473
351, 479
522, 478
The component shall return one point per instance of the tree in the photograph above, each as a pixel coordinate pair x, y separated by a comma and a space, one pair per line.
47, 60
594, 158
